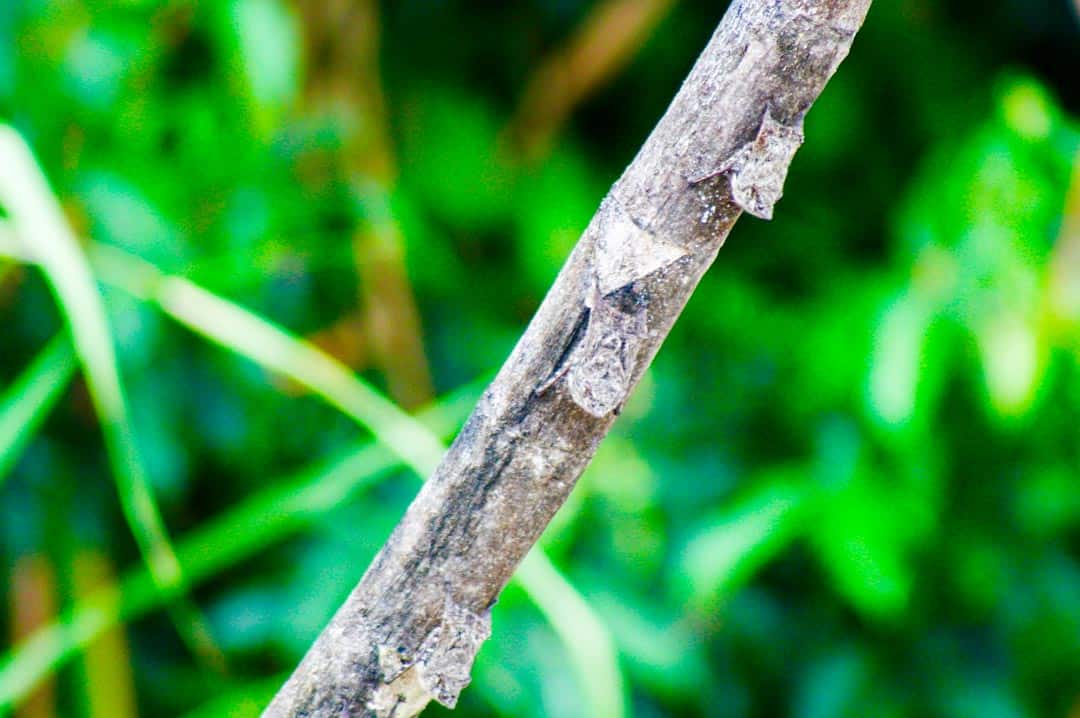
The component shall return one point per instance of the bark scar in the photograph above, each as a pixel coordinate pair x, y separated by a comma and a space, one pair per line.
757, 170
599, 366
600, 357
599, 377
440, 669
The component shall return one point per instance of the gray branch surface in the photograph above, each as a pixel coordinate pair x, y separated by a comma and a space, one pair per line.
410, 630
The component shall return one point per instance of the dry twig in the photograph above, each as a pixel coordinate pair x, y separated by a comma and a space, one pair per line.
410, 630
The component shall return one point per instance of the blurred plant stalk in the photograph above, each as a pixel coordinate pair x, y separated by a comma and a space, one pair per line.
1064, 273
33, 606
109, 684
598, 50
342, 41
343, 86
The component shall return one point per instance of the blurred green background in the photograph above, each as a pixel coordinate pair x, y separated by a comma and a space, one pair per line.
847, 487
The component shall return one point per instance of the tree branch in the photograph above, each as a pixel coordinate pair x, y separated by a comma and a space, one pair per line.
410, 630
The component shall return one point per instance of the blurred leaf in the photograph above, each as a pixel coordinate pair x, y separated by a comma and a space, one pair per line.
96, 64
622, 476
861, 539
831, 687
588, 643
26, 402
668, 655
1027, 108
978, 571
867, 522
1048, 502
555, 205
898, 360
432, 263
449, 156
120, 215
985, 212
267, 39
1011, 361
984, 698
7, 54
246, 701
262, 341
736, 542
833, 353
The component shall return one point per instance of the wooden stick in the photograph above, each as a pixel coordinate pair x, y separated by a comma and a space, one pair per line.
410, 630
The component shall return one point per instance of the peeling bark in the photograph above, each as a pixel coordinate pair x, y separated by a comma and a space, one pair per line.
410, 630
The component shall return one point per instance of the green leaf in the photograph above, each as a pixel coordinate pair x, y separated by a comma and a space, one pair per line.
980, 221
862, 539
1013, 360
1048, 502
666, 653
450, 157
555, 204
267, 344
246, 701
898, 361
7, 52
26, 403
96, 65
121, 215
737, 541
267, 39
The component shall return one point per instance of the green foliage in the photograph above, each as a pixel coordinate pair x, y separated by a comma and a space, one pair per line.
847, 487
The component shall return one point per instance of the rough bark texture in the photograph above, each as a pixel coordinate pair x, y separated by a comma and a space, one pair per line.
410, 630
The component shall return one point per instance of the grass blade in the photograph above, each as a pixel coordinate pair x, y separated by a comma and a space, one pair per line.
589, 644
267, 344
40, 226
29, 399
10, 247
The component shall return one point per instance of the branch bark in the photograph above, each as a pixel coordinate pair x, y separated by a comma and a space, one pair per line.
410, 630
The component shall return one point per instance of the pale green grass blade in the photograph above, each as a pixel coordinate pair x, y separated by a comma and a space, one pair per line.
232, 326
588, 641
239, 533
750, 531
264, 343
26, 403
40, 226
9, 243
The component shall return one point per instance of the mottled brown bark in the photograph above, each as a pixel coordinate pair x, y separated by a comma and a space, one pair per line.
410, 630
